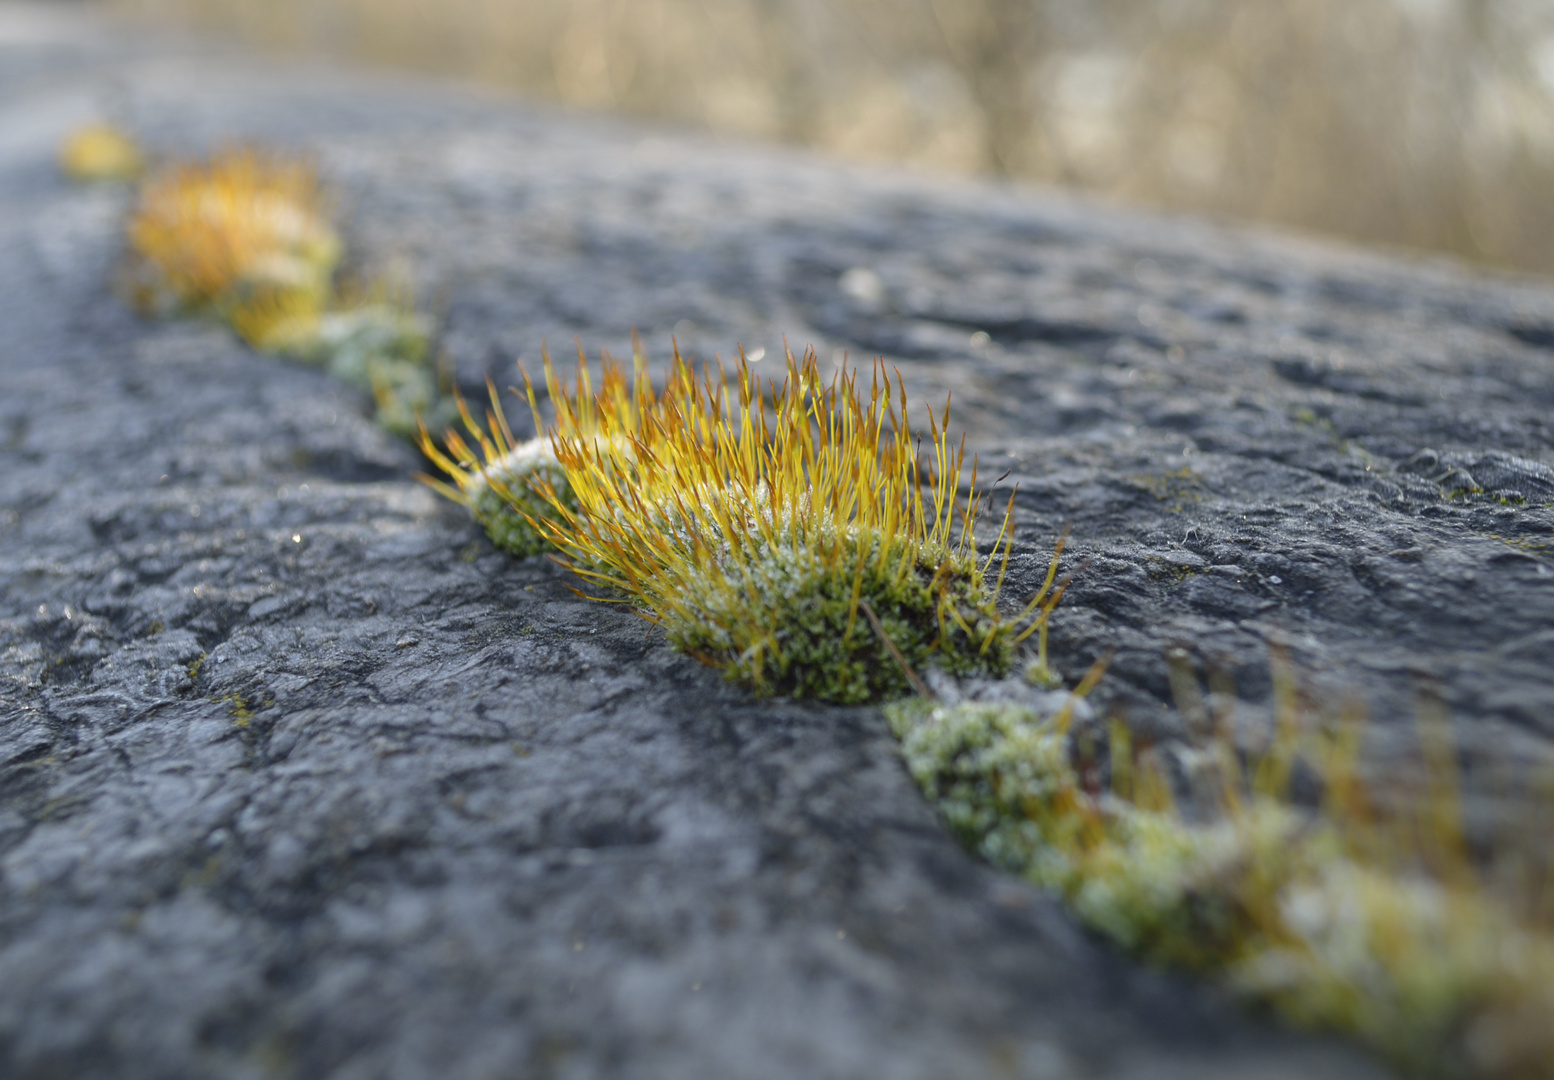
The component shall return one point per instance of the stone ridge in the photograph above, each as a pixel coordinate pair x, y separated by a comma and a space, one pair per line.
300, 778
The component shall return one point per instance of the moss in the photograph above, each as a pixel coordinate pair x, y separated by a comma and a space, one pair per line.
243, 230
981, 764
506, 497
245, 237
101, 152
1040, 675
1173, 574
512, 487
238, 708
380, 345
1525, 544
1303, 910
1308, 417
787, 620
782, 535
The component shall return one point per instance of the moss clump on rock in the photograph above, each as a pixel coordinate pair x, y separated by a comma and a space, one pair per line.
789, 619
782, 532
778, 532
505, 497
101, 152
245, 237
511, 486
1320, 914
246, 229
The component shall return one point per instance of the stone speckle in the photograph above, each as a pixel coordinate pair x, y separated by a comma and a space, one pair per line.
300, 778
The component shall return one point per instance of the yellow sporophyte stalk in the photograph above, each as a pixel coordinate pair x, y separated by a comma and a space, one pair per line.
100, 152
1334, 915
245, 235
779, 532
509, 484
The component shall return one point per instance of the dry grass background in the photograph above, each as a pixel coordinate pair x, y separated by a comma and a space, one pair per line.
1427, 123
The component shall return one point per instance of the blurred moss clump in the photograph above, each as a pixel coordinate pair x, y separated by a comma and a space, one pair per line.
101, 152
1377, 925
246, 237
245, 233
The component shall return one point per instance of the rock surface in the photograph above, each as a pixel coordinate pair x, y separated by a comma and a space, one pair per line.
299, 778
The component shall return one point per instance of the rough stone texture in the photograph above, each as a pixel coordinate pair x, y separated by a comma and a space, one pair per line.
299, 778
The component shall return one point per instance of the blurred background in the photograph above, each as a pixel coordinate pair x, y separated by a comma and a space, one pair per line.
1425, 123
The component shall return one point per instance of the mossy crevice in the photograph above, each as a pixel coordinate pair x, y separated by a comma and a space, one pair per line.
246, 237
1319, 913
783, 533
791, 621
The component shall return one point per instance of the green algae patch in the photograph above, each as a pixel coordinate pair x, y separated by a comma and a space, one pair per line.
1318, 913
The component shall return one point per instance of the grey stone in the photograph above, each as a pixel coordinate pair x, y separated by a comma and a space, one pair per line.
300, 778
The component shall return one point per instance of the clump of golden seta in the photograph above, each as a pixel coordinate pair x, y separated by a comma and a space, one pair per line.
101, 152
1379, 926
780, 532
509, 484
245, 236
